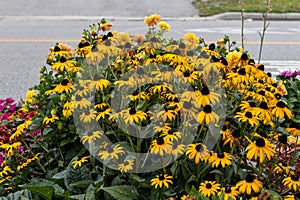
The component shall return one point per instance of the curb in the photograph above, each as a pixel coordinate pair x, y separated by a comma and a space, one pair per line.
256, 16
223, 16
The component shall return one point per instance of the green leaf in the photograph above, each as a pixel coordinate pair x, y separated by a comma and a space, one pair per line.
75, 175
82, 183
78, 197
121, 192
90, 193
295, 120
197, 194
42, 191
274, 194
44, 188
216, 171
60, 175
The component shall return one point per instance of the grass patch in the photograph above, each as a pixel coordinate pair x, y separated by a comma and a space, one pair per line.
212, 7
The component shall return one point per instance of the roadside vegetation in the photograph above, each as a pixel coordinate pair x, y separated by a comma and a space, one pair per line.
212, 7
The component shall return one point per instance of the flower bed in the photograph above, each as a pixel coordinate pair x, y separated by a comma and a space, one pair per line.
145, 117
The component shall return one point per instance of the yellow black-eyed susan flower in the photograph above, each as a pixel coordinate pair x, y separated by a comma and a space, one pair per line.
165, 114
290, 197
232, 137
64, 86
162, 180
171, 135
249, 185
78, 163
162, 127
90, 138
247, 117
68, 109
197, 152
247, 106
132, 115
50, 119
64, 64
264, 113
294, 130
209, 188
207, 116
82, 89
88, 115
103, 110
292, 182
220, 158
281, 168
190, 77
161, 146
230, 192
280, 110
80, 102
126, 165
111, 152
5, 170
177, 149
138, 96
261, 147
206, 97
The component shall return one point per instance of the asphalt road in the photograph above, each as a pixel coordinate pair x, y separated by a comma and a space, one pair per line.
24, 43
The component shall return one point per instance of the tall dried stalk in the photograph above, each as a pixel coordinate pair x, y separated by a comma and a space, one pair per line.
265, 26
241, 2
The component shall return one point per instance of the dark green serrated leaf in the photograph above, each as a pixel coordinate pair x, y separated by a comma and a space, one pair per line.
121, 192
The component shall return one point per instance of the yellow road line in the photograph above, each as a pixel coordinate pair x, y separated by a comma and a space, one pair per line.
66, 41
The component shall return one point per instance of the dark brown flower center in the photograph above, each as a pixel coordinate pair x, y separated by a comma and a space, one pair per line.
236, 134
65, 82
96, 77
242, 71
161, 177
260, 142
94, 48
205, 91
187, 105
249, 178
295, 178
132, 111
244, 56
221, 155
262, 92
280, 104
170, 132
282, 139
160, 141
56, 49
207, 109
212, 46
252, 104
227, 190
199, 148
78, 98
248, 114
263, 105
225, 127
208, 186
187, 74
261, 67
126, 162
62, 59
277, 96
